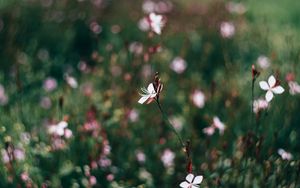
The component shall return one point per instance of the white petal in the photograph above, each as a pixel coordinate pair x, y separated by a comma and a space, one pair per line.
193, 186
272, 81
60, 132
189, 178
264, 85
278, 89
184, 184
198, 180
150, 88
269, 96
143, 99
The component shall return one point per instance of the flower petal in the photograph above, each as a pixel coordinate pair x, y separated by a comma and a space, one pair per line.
143, 99
198, 180
272, 81
189, 178
184, 184
269, 96
264, 85
151, 89
278, 89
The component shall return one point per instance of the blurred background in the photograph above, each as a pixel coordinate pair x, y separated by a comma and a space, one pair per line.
71, 73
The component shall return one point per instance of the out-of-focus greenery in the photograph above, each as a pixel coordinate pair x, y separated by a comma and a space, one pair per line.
89, 40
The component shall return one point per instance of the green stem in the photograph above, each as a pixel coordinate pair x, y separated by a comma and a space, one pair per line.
166, 119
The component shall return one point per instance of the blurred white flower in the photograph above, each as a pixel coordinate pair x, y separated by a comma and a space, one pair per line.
167, 158
198, 98
294, 87
156, 22
58, 129
178, 65
209, 130
271, 87
71, 81
191, 181
218, 124
136, 48
236, 8
68, 133
148, 94
133, 115
227, 29
140, 156
263, 62
143, 24
285, 155
95, 27
148, 6
259, 104
177, 122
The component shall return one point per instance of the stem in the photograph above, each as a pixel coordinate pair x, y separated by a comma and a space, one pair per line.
166, 119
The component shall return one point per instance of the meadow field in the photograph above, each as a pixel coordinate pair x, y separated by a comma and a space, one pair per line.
149, 93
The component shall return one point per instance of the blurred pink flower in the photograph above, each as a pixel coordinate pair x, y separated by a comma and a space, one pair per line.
136, 48
3, 96
218, 124
95, 27
294, 87
68, 133
104, 161
285, 155
148, 6
271, 87
259, 104
19, 154
178, 65
153, 22
92, 180
167, 158
50, 84
263, 62
45, 102
140, 156
227, 29
209, 130
110, 177
177, 122
24, 176
198, 98
133, 115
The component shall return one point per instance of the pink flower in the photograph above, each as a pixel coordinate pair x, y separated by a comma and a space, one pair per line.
140, 156
153, 22
294, 88
45, 102
198, 98
49, 84
110, 177
285, 155
227, 29
168, 158
218, 124
178, 65
3, 96
209, 130
260, 104
263, 62
93, 180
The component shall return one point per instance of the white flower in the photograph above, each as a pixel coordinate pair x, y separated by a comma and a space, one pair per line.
191, 181
263, 62
285, 155
148, 94
198, 98
167, 158
227, 29
294, 88
271, 88
156, 23
218, 124
72, 82
178, 65
260, 104
58, 129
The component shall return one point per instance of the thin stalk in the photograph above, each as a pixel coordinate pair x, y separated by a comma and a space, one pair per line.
166, 119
